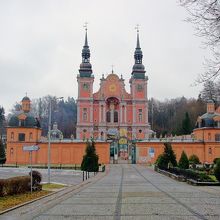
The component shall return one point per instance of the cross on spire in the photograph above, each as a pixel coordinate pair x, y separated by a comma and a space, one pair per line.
137, 27
112, 68
86, 26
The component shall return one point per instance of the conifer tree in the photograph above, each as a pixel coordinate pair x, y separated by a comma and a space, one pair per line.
217, 170
169, 154
2, 153
186, 124
90, 159
184, 162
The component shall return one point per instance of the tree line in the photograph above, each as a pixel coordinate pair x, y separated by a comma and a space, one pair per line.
175, 116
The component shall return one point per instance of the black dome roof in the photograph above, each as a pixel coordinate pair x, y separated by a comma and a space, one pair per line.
30, 121
26, 99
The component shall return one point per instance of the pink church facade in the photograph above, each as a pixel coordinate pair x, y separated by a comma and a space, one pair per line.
112, 111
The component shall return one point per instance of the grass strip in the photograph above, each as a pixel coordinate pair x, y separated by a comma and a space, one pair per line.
11, 201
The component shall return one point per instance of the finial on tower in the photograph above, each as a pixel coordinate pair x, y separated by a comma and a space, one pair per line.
138, 42
112, 68
86, 26
137, 27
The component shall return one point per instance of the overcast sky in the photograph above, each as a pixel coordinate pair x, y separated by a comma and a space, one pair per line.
41, 43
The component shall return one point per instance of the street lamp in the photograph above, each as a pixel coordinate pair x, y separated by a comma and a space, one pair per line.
49, 140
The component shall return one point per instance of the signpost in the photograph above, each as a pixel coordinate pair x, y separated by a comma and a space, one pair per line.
30, 149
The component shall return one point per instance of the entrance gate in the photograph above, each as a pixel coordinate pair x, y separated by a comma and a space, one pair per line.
122, 152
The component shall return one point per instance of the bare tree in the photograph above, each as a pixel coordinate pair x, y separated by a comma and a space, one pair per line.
205, 15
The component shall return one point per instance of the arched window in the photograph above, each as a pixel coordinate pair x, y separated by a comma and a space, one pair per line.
30, 136
115, 116
209, 136
12, 135
140, 118
84, 134
102, 135
85, 118
108, 116
102, 115
11, 151
210, 150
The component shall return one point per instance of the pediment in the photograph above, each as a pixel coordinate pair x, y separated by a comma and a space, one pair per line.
22, 116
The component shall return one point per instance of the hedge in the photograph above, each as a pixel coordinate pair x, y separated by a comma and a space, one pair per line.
15, 185
190, 174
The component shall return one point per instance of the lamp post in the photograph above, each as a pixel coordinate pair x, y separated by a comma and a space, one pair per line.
49, 138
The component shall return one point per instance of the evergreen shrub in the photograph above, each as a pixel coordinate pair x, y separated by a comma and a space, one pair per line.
183, 162
217, 170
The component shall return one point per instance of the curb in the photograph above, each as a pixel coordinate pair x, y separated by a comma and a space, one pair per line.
68, 189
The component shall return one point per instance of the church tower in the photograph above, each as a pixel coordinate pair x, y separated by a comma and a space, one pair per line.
85, 81
138, 86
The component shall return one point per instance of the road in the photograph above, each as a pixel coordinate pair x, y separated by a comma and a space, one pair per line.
133, 192
69, 177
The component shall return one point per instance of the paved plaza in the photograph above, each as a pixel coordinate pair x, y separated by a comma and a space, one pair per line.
131, 192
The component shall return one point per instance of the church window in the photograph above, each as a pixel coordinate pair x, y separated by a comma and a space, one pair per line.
140, 115
140, 131
210, 150
209, 136
102, 135
108, 116
85, 115
31, 136
12, 135
11, 151
217, 137
21, 137
115, 116
102, 113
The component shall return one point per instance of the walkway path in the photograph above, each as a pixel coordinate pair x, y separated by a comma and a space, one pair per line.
136, 192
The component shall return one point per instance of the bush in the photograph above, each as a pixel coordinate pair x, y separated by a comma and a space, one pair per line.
2, 184
162, 162
215, 160
37, 177
217, 170
194, 159
190, 174
183, 162
15, 185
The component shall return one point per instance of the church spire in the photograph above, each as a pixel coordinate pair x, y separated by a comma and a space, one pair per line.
85, 67
85, 50
138, 68
138, 52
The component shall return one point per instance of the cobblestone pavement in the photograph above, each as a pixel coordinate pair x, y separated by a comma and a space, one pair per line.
136, 192
69, 177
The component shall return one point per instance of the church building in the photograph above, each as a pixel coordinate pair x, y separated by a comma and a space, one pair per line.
112, 111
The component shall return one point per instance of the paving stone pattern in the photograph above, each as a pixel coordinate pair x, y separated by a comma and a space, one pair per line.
136, 192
